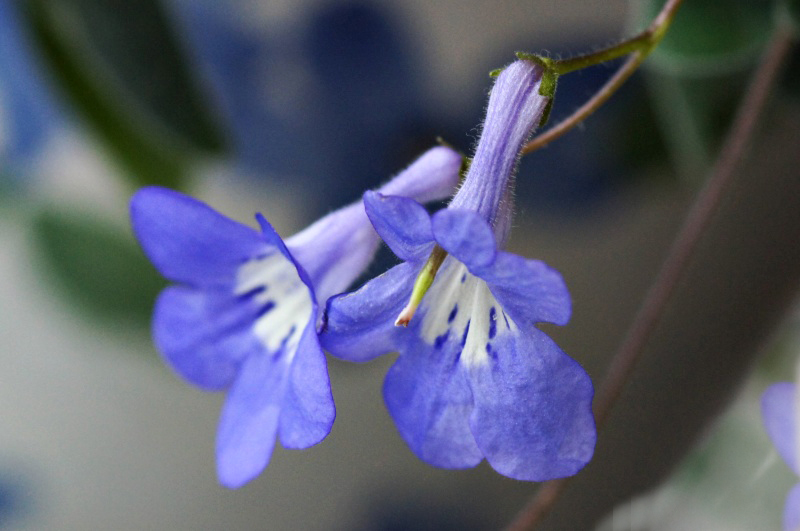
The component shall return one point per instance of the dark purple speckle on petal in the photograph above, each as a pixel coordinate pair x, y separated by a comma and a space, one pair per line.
464, 337
453, 313
440, 340
264, 309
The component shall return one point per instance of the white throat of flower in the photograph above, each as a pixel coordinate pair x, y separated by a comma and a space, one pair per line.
460, 308
274, 285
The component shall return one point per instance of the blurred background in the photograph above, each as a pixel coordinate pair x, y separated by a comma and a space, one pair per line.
294, 108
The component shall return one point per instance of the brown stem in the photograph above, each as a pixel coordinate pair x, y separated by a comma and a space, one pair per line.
658, 296
653, 35
587, 108
697, 220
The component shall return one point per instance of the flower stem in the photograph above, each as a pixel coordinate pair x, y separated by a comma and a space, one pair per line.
658, 296
639, 46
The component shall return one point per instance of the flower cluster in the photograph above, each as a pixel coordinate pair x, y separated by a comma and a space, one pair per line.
475, 377
245, 313
779, 412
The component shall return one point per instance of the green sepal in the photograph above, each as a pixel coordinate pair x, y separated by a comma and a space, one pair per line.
546, 113
549, 75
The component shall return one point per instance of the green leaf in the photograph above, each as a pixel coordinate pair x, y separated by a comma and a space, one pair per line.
121, 66
695, 114
96, 266
711, 37
793, 11
698, 73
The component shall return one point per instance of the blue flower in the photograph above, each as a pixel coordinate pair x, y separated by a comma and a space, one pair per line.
475, 378
779, 412
244, 314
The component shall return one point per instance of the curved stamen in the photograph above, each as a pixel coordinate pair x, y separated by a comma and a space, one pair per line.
421, 285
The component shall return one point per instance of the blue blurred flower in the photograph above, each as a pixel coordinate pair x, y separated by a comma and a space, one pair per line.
26, 104
779, 412
475, 378
244, 315
324, 82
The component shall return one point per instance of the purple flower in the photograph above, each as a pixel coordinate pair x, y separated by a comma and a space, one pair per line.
475, 378
779, 411
244, 315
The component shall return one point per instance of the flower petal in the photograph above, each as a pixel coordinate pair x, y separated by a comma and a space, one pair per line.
529, 290
308, 411
533, 417
779, 415
466, 236
187, 240
249, 420
402, 223
427, 393
791, 511
204, 334
336, 249
433, 176
359, 326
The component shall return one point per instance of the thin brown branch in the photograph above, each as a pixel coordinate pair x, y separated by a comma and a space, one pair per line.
652, 35
694, 226
699, 217
587, 108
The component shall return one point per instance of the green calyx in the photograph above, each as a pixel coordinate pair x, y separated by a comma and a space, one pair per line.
549, 81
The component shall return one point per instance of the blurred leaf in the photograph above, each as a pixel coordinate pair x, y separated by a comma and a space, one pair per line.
791, 75
694, 115
709, 37
122, 68
793, 10
698, 73
97, 266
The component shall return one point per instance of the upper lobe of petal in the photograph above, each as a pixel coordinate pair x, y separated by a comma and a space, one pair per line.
778, 410
529, 290
433, 176
188, 241
466, 236
402, 223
